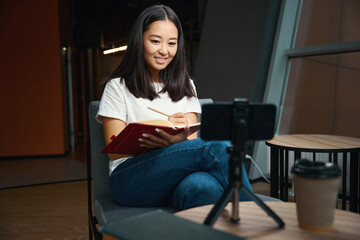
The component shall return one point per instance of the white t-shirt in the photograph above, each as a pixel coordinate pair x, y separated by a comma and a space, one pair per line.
118, 102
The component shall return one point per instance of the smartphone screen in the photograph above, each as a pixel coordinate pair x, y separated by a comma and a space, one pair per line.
217, 121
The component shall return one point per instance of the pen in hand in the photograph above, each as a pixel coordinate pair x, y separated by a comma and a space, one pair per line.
159, 112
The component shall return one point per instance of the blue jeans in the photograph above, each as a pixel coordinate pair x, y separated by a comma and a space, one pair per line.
184, 175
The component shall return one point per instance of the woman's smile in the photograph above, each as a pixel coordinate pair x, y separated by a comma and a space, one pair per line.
160, 60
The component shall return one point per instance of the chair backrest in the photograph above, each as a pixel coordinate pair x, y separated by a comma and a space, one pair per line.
100, 161
205, 101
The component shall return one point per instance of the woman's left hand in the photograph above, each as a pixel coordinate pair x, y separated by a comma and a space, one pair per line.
163, 140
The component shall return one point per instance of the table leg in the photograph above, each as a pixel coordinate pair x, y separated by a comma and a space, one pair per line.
358, 184
354, 165
274, 172
335, 157
281, 152
344, 181
286, 176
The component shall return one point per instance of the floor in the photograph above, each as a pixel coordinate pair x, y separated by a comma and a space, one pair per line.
51, 211
46, 198
29, 171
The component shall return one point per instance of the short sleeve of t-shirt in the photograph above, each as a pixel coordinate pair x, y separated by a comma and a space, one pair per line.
112, 104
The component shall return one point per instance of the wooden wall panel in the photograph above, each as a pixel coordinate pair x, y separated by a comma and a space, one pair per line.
350, 31
309, 100
347, 108
31, 95
323, 18
321, 98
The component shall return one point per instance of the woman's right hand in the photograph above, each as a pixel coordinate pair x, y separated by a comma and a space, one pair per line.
179, 119
183, 119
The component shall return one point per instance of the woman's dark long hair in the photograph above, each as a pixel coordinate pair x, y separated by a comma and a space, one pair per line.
133, 69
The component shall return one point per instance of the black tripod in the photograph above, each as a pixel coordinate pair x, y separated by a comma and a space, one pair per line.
237, 156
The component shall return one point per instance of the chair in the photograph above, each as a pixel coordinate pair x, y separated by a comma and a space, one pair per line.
102, 209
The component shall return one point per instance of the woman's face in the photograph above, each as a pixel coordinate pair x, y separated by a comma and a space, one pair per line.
160, 46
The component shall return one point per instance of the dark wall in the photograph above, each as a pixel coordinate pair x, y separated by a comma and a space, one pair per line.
230, 45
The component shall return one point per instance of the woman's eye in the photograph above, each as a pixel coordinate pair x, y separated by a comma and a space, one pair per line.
155, 41
172, 43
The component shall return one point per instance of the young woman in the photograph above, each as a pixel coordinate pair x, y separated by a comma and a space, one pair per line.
181, 171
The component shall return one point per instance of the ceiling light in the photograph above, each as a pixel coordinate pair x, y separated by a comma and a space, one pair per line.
112, 50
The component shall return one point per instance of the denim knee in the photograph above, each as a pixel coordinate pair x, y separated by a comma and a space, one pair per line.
197, 189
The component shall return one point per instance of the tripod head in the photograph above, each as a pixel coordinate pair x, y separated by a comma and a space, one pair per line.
240, 125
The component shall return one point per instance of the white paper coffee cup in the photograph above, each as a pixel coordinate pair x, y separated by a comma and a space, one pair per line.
316, 189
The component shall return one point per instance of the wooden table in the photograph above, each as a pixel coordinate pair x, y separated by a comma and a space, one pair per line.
256, 224
315, 143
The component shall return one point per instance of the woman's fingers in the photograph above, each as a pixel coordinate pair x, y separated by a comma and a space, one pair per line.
172, 139
178, 119
151, 141
163, 140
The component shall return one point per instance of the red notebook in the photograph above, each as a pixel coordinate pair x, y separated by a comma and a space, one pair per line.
127, 141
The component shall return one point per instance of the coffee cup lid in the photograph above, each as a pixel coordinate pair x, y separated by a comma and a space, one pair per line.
315, 169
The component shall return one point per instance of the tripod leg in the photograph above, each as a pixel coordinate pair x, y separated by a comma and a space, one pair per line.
219, 206
235, 205
261, 204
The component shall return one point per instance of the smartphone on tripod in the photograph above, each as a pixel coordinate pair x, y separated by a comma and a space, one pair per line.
217, 121
238, 121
